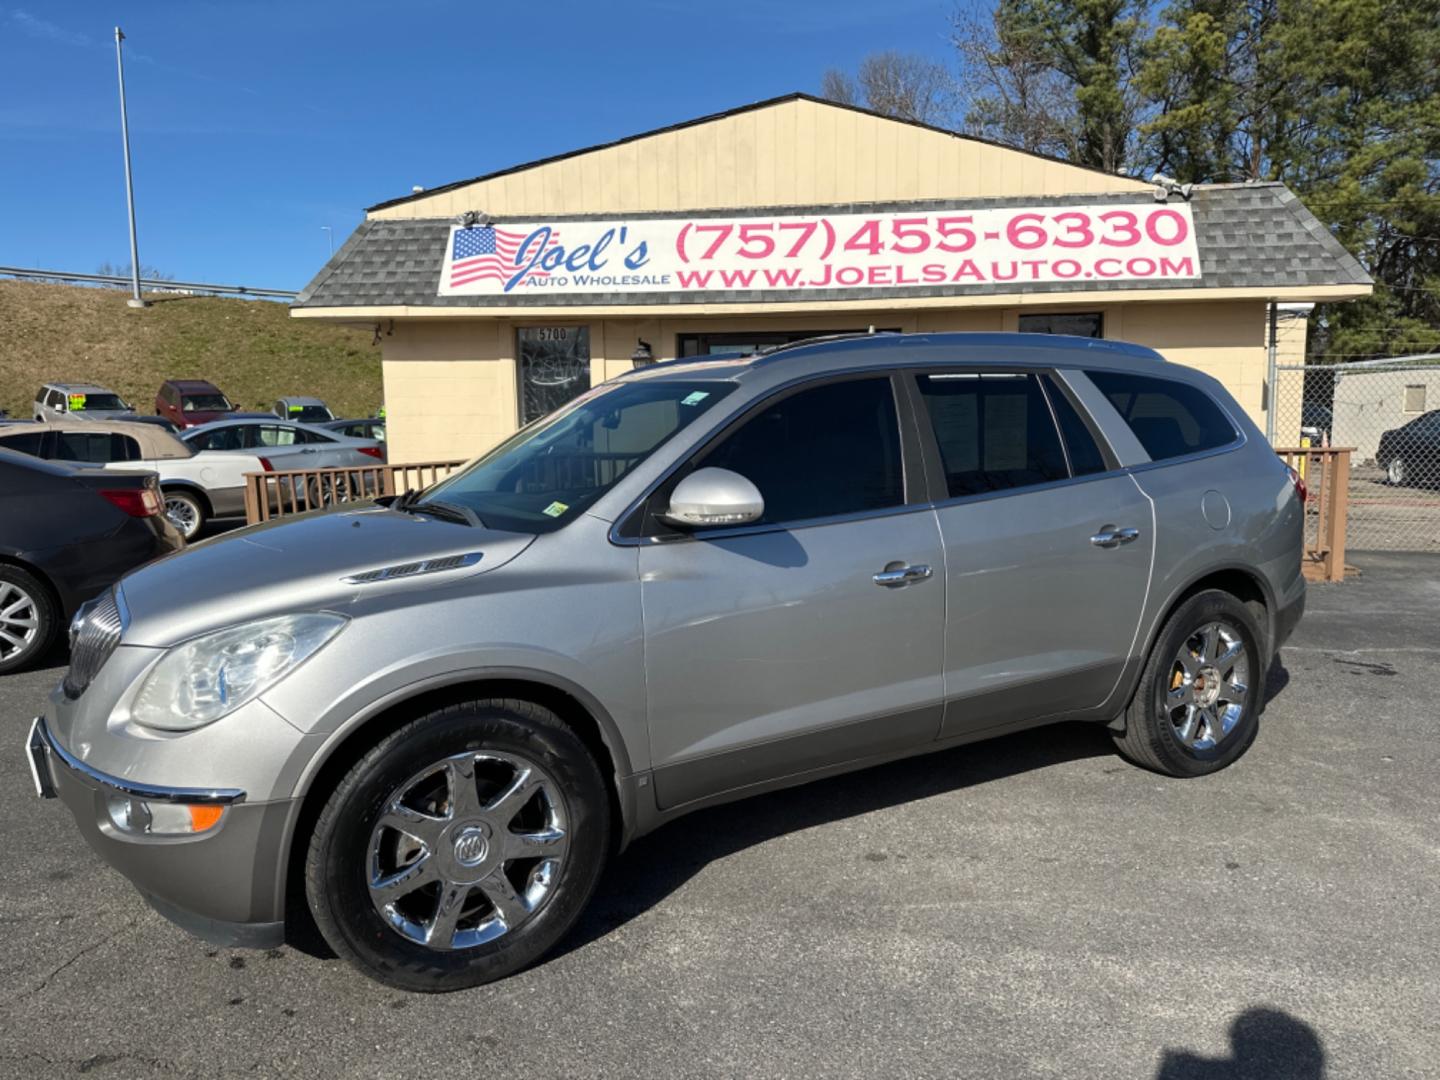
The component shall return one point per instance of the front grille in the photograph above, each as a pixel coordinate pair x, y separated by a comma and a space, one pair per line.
94, 634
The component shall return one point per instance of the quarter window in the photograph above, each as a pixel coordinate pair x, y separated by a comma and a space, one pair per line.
1085, 455
830, 450
1169, 418
994, 431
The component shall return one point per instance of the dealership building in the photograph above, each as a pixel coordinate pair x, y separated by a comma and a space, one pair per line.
499, 298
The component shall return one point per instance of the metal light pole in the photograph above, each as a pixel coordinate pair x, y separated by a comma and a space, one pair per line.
330, 235
135, 300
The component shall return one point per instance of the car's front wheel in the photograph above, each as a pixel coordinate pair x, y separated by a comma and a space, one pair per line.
185, 511
1397, 472
461, 847
1197, 707
28, 618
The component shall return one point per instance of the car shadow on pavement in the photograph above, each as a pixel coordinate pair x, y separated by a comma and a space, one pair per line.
658, 864
1265, 1044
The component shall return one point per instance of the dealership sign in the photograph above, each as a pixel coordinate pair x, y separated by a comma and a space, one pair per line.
1008, 248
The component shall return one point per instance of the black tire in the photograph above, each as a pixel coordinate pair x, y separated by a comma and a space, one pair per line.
186, 511
336, 864
20, 587
1150, 739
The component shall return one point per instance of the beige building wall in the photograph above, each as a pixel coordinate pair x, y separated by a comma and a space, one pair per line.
451, 388
793, 153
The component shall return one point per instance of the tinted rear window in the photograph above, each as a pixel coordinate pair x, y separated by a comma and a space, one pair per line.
1169, 418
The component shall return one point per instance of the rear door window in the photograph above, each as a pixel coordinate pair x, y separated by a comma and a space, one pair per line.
994, 431
84, 446
1171, 419
830, 450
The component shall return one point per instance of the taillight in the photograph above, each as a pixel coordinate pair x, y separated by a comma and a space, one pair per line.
140, 503
371, 451
265, 465
1299, 482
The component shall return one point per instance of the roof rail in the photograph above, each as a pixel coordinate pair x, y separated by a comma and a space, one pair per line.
765, 355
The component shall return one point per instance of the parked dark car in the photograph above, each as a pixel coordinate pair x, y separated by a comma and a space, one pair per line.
1316, 420
67, 533
1410, 455
191, 402
157, 421
358, 429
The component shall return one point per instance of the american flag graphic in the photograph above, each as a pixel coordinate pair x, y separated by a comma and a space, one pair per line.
487, 252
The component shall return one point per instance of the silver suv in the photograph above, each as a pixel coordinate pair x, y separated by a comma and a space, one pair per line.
428, 723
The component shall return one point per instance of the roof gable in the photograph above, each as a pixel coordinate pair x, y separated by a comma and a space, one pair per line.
791, 150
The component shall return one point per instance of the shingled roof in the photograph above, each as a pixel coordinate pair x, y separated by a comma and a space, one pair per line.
1250, 236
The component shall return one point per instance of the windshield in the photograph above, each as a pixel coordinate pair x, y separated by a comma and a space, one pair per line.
91, 402
206, 403
307, 414
552, 471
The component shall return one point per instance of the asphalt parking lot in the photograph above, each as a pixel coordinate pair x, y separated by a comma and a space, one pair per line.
1029, 907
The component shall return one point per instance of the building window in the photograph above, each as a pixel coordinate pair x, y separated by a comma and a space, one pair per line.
1077, 323
554, 368
1415, 398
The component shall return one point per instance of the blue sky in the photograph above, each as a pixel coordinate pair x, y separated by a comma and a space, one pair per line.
254, 124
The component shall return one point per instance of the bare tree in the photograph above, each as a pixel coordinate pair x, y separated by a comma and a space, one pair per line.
1009, 91
902, 85
836, 85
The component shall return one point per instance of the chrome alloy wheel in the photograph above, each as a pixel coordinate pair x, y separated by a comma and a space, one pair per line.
1395, 472
467, 849
182, 515
1208, 687
19, 620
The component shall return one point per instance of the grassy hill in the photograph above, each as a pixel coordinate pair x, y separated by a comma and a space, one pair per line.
251, 349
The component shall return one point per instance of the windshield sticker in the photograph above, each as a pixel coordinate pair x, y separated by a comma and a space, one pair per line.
555, 509
297, 408
77, 402
695, 398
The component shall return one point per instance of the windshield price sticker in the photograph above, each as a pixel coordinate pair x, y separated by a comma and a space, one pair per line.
1003, 247
695, 397
77, 402
555, 509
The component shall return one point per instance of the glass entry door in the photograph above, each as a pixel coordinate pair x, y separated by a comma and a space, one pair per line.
554, 368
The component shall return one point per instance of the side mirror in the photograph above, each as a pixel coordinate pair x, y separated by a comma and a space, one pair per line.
714, 497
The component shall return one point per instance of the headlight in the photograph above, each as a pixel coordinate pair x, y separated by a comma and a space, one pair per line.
198, 682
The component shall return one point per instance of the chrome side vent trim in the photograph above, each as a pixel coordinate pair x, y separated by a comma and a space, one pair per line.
413, 569
94, 633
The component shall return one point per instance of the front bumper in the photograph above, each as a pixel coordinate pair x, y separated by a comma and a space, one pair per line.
224, 885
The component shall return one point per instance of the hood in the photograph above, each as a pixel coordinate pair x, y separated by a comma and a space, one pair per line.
298, 564
100, 414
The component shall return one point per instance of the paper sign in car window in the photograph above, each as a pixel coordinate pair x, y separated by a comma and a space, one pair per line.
77, 402
695, 397
555, 509
297, 408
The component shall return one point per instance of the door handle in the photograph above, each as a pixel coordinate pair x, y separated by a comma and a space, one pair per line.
902, 575
1110, 536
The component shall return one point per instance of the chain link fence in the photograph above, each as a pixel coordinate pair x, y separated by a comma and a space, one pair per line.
1389, 413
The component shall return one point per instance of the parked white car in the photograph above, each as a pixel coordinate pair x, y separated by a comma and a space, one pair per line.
308, 446
197, 486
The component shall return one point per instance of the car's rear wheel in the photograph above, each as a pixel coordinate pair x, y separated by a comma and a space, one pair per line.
185, 512
460, 848
1197, 707
1397, 472
28, 618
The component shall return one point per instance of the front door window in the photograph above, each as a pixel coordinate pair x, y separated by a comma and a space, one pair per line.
554, 368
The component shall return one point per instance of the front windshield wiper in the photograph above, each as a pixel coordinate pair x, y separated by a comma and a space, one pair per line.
449, 511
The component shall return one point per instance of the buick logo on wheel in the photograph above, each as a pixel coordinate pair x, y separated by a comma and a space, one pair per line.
470, 847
